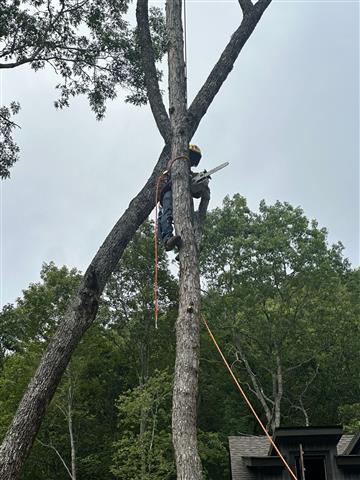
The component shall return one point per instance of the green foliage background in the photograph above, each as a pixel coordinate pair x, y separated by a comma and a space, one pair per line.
272, 287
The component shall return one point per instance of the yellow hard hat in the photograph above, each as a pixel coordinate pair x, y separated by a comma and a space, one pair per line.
194, 154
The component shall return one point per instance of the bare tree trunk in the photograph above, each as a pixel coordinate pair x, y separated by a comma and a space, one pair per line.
301, 406
67, 411
279, 391
83, 307
306, 416
187, 326
271, 404
256, 388
47, 445
71, 432
143, 379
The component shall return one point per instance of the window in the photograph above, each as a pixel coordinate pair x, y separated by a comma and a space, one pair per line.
314, 468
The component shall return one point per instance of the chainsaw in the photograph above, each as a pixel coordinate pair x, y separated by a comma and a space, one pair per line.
201, 176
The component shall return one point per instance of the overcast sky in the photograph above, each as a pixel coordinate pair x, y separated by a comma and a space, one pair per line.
287, 120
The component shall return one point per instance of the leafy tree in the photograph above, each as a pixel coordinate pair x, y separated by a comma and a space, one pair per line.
145, 452
349, 415
280, 292
120, 352
89, 44
76, 436
17, 370
129, 297
9, 150
38, 312
123, 357
176, 130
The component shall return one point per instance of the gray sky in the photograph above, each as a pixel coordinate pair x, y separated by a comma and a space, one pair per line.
287, 120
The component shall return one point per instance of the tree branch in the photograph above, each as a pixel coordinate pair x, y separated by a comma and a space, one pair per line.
246, 5
10, 122
258, 391
224, 65
151, 80
298, 365
19, 62
302, 409
58, 454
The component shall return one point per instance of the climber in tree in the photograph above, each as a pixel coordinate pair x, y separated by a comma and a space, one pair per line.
165, 219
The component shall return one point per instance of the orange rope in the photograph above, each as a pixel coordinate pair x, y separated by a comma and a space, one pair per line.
156, 266
248, 401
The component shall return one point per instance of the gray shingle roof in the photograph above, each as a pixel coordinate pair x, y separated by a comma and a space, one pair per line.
343, 443
246, 446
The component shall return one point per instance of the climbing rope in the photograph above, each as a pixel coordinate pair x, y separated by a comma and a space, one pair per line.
156, 233
248, 401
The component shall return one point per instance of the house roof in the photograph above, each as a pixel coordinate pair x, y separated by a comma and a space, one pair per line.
354, 445
245, 446
344, 443
288, 435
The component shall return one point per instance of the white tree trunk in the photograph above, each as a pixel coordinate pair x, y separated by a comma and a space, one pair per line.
71, 432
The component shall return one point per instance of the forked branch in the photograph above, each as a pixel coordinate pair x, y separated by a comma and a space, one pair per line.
151, 79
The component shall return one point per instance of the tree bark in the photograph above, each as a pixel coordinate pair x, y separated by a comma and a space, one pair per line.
279, 391
184, 415
83, 307
148, 62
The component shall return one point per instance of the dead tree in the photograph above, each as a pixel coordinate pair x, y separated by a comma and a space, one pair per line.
176, 130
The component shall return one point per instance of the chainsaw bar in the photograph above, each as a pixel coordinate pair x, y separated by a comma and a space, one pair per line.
202, 175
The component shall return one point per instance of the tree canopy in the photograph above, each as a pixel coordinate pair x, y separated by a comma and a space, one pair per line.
90, 45
117, 388
177, 127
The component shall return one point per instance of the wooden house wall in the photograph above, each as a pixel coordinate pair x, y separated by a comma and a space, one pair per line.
267, 474
350, 475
